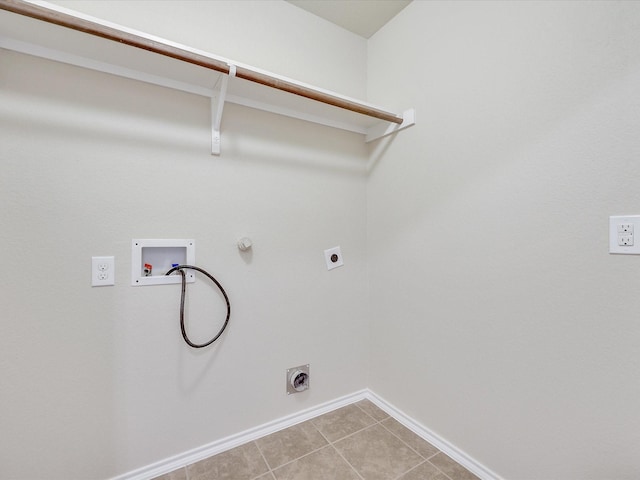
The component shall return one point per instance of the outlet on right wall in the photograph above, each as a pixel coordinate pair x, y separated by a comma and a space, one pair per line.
499, 319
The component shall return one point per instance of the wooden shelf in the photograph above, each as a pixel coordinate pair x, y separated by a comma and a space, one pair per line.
55, 33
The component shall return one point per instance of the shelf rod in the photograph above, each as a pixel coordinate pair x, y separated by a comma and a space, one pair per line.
44, 14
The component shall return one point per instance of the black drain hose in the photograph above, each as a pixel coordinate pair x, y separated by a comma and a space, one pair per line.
179, 269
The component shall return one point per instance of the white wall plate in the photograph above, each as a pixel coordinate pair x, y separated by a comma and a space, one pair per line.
622, 231
161, 255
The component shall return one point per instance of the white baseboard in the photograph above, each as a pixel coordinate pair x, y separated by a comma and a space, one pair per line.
440, 443
200, 453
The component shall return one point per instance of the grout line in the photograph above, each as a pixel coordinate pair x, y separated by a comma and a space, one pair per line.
328, 444
380, 422
338, 451
405, 443
348, 463
438, 468
262, 475
411, 469
350, 434
460, 457
422, 463
340, 454
331, 444
367, 413
376, 422
409, 446
308, 453
269, 469
186, 459
322, 435
302, 456
354, 433
270, 472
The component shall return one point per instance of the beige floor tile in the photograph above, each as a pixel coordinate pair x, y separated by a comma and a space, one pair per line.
324, 464
421, 446
377, 454
424, 471
370, 409
451, 468
365, 444
241, 463
180, 474
342, 422
287, 445
268, 476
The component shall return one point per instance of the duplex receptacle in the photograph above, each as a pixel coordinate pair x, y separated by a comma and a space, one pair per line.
102, 271
622, 234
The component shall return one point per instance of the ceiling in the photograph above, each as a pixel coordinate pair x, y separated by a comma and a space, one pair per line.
362, 17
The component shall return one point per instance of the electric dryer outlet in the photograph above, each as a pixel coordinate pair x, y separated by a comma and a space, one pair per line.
297, 379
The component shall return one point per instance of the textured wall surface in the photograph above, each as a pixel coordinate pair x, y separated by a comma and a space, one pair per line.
98, 381
491, 283
477, 294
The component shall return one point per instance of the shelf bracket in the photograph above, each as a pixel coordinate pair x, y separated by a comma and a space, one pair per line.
217, 106
383, 129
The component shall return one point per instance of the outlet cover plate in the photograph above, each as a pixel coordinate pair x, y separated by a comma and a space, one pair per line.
161, 254
103, 271
625, 247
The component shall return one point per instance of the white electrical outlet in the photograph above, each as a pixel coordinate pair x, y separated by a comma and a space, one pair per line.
103, 270
625, 234
622, 236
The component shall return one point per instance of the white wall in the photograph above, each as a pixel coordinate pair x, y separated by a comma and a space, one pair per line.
496, 312
499, 318
272, 34
97, 381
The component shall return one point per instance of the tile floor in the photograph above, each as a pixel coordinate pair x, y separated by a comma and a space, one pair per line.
356, 442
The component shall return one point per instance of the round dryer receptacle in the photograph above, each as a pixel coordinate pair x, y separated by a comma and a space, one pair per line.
299, 381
